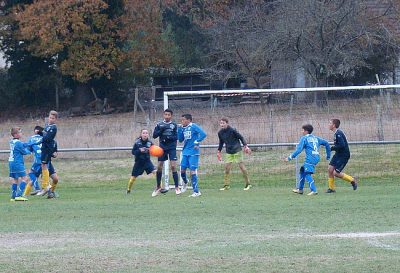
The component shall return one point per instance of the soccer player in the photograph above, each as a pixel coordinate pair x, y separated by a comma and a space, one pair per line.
232, 140
167, 131
340, 159
16, 164
143, 163
191, 135
47, 150
310, 144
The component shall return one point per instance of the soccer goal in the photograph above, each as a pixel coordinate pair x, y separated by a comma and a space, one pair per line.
273, 117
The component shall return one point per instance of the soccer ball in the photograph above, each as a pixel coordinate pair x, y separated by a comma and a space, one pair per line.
156, 151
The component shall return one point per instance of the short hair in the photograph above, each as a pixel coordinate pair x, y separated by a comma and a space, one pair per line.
336, 122
38, 128
53, 113
168, 111
187, 116
224, 119
15, 130
308, 127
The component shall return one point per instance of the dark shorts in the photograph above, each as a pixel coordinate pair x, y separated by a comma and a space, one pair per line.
339, 163
37, 169
168, 154
141, 167
45, 157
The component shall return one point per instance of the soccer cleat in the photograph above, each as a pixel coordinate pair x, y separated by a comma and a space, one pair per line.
164, 191
177, 191
12, 200
128, 191
312, 193
156, 192
330, 191
297, 191
195, 194
35, 192
184, 187
225, 188
355, 183
51, 195
44, 191
248, 187
21, 198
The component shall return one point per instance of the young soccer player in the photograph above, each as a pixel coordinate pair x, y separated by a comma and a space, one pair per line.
191, 135
143, 163
47, 151
310, 144
16, 164
340, 158
36, 168
232, 140
167, 131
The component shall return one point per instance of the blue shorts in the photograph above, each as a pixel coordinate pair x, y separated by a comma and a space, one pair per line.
139, 167
168, 154
307, 168
339, 163
37, 169
16, 175
190, 161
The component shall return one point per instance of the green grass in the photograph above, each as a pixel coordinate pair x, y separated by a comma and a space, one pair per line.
95, 227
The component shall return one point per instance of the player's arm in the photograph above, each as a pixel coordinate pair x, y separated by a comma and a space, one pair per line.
181, 137
298, 150
339, 143
202, 135
243, 141
135, 149
157, 131
23, 148
50, 135
327, 148
220, 145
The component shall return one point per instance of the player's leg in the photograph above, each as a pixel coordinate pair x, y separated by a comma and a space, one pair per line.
54, 181
136, 171
14, 186
227, 176
311, 183
331, 179
160, 166
300, 187
194, 163
21, 188
247, 185
172, 159
45, 158
338, 172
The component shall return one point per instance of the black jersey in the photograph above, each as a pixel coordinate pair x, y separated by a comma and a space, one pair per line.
231, 138
168, 134
340, 145
48, 142
139, 143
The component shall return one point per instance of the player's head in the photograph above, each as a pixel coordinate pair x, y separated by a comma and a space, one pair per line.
186, 119
144, 134
168, 115
223, 123
16, 132
307, 129
38, 130
53, 115
334, 123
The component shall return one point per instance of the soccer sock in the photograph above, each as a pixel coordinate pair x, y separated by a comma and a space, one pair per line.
130, 183
227, 177
21, 188
246, 177
159, 176
53, 186
27, 190
176, 179
348, 178
311, 183
14, 188
194, 183
331, 183
45, 178
184, 178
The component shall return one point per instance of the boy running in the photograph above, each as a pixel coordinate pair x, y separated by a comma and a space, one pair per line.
340, 159
232, 140
310, 144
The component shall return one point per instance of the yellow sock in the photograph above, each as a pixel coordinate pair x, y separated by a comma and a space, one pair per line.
227, 177
347, 177
331, 183
53, 186
130, 183
45, 178
27, 190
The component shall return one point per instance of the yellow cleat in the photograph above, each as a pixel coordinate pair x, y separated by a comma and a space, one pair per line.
12, 200
21, 198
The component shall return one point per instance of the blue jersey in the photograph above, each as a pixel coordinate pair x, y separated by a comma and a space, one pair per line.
36, 148
167, 132
191, 136
16, 159
49, 133
311, 144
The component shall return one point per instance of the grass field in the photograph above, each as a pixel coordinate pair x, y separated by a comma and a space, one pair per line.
95, 227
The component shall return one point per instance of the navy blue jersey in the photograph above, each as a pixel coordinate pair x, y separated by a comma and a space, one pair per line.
168, 134
340, 145
49, 133
141, 156
232, 139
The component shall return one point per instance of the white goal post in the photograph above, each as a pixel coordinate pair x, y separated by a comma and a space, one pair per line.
169, 94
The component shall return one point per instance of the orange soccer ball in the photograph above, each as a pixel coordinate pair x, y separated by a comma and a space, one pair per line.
156, 151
